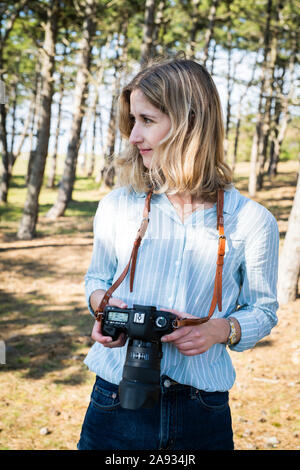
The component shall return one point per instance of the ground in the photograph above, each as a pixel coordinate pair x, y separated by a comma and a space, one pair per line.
46, 328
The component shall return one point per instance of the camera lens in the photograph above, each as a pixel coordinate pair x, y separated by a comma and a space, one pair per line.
161, 322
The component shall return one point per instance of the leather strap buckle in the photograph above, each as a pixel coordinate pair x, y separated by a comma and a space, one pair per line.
143, 227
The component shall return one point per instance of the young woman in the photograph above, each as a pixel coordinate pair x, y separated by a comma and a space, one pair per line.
171, 115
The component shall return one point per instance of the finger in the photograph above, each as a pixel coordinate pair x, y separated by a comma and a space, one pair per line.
114, 302
179, 314
119, 342
177, 334
97, 335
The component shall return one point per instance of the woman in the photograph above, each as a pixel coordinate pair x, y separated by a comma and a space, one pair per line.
171, 115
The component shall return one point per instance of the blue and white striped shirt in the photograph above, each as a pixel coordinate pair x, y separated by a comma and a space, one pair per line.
175, 269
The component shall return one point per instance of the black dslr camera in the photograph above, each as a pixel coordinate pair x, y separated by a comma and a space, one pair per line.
140, 384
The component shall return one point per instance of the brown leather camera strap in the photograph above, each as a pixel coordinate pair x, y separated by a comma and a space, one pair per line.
217, 293
132, 260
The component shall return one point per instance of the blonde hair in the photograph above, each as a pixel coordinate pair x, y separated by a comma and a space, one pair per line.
191, 157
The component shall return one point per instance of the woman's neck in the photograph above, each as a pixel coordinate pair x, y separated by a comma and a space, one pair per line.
185, 204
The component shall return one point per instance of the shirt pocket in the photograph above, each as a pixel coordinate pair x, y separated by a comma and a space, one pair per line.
235, 247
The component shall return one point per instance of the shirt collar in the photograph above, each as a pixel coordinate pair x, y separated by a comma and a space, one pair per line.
231, 198
137, 193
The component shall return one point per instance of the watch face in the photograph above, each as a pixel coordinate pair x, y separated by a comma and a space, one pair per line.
232, 334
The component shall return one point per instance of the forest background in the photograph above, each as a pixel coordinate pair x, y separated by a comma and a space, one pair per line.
62, 65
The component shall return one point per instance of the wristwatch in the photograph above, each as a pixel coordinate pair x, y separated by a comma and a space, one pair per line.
232, 338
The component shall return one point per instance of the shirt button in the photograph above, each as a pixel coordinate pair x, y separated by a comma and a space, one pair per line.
167, 383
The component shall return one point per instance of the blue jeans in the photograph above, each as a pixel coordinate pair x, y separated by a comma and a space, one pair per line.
183, 419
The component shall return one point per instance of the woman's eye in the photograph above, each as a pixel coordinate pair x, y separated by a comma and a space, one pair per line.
147, 120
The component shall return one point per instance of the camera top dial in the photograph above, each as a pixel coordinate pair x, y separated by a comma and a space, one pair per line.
161, 322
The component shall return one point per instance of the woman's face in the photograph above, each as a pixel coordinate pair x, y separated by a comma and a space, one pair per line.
150, 125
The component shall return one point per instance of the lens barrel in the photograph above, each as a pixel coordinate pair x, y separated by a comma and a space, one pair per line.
140, 384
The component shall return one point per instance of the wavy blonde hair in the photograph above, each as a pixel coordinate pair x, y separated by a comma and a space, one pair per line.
191, 156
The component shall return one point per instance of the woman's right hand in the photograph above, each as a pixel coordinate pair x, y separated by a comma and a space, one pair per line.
107, 340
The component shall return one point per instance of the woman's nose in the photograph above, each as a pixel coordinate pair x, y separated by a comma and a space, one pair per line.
135, 136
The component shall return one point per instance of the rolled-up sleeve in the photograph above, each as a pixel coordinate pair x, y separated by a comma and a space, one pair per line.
258, 295
103, 264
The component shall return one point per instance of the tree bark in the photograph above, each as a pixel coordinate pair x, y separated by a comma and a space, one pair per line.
35, 114
108, 171
284, 102
53, 162
289, 263
27, 227
257, 142
69, 172
239, 116
209, 31
269, 89
194, 29
148, 32
6, 158
230, 83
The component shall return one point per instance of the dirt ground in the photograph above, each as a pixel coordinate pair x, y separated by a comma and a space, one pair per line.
45, 327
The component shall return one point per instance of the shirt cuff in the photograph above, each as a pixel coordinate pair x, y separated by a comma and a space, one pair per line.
255, 324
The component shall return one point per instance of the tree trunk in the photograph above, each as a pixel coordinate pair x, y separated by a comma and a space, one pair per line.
239, 116
194, 29
148, 32
289, 263
108, 171
5, 30
274, 142
209, 31
92, 115
257, 142
159, 27
53, 162
5, 155
69, 172
266, 128
23, 136
36, 112
92, 160
230, 83
27, 227
285, 100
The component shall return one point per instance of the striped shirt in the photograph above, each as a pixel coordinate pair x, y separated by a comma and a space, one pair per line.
175, 269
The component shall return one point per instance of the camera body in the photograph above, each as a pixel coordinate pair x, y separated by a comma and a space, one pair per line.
139, 322
140, 384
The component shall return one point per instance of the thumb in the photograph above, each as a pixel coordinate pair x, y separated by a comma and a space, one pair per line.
114, 302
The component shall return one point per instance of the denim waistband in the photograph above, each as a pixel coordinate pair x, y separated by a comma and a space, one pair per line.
167, 384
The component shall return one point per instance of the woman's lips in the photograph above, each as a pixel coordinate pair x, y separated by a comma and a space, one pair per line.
144, 151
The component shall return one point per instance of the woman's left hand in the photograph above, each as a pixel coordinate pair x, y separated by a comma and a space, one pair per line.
196, 339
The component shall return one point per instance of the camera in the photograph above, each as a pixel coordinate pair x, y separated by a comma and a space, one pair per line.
144, 326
